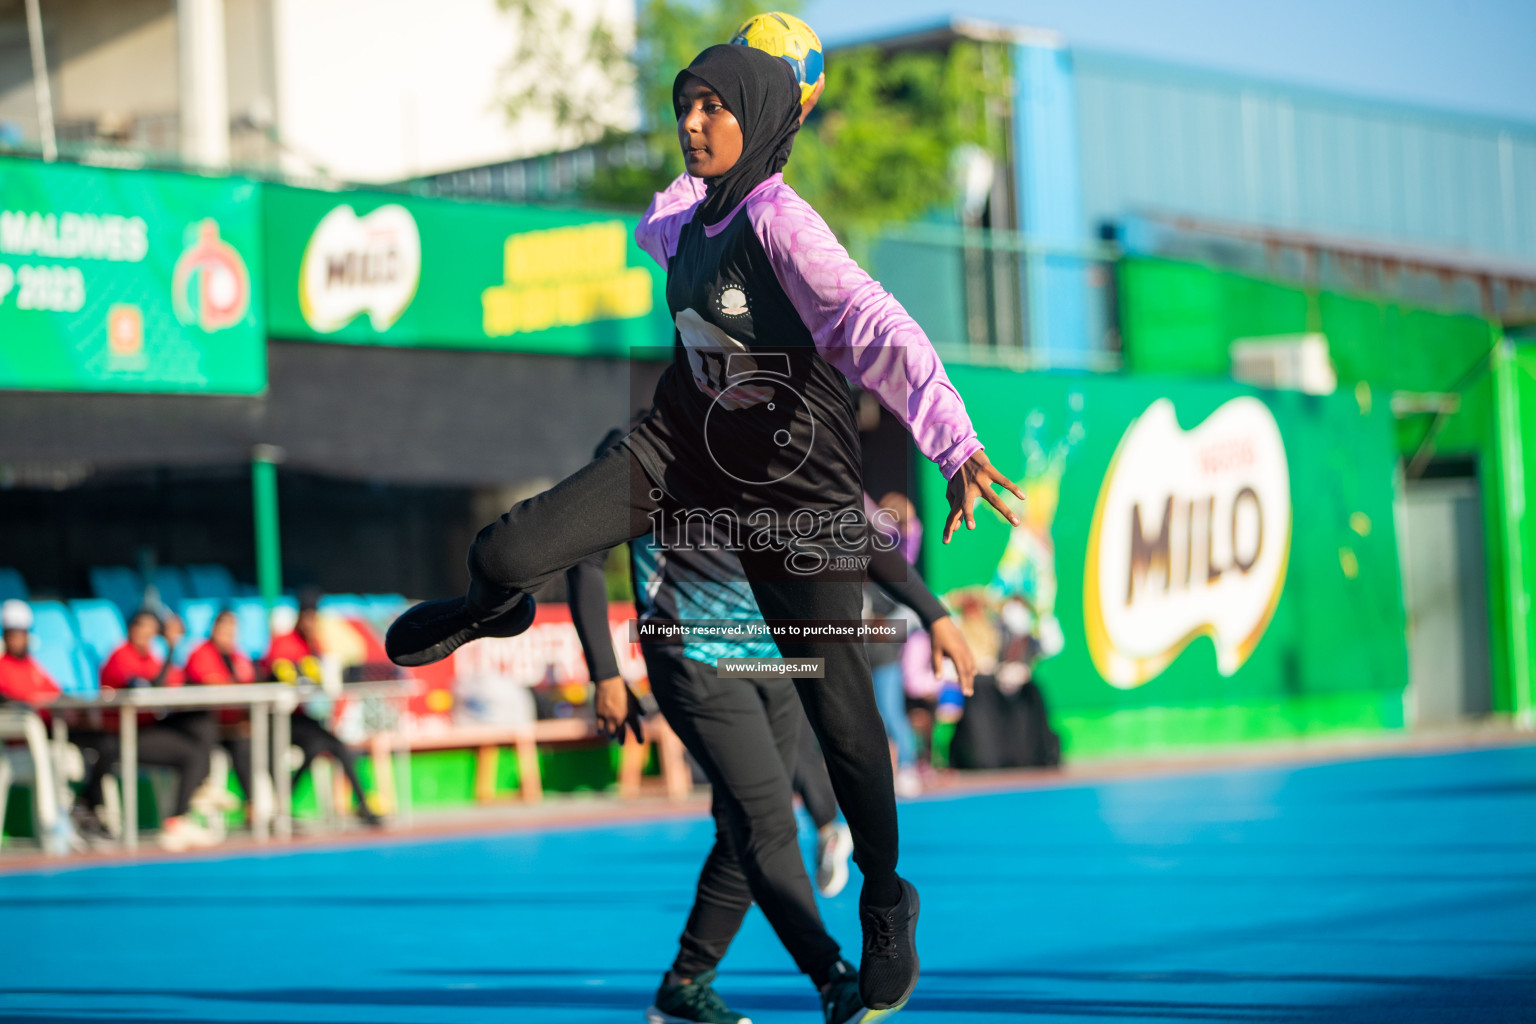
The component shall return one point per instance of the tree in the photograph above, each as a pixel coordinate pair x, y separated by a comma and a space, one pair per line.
879, 147
876, 150
579, 76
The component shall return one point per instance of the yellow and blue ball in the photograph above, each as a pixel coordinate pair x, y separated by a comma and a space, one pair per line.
785, 35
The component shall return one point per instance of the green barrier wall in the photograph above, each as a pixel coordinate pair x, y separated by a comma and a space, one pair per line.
1182, 318
129, 281
1331, 655
1517, 373
382, 269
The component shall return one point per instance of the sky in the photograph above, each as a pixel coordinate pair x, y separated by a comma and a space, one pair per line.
1476, 56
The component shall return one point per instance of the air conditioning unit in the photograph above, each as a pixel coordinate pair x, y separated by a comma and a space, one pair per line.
1292, 362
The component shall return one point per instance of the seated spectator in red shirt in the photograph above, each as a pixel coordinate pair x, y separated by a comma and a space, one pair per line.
297, 654
218, 661
22, 679
136, 663
181, 741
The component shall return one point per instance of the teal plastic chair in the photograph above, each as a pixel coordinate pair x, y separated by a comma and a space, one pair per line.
171, 585
57, 648
384, 609
13, 586
101, 628
348, 606
120, 585
255, 626
213, 581
197, 615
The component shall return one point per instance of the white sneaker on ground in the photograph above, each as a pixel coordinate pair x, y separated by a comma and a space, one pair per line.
908, 782
834, 845
210, 799
182, 833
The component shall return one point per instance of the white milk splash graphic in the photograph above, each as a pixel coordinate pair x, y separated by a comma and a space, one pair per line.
1191, 536
354, 265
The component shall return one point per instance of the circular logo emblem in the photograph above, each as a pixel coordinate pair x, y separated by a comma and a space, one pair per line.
733, 301
209, 284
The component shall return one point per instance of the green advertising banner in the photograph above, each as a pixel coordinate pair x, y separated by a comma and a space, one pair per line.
1182, 318
380, 269
1203, 562
128, 281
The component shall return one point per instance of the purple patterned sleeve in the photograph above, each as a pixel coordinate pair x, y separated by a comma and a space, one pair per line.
663, 220
861, 329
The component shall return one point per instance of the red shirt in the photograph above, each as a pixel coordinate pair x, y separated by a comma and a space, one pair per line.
290, 647
128, 662
207, 667
24, 680
125, 664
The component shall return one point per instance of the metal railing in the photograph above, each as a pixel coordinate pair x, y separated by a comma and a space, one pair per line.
1000, 297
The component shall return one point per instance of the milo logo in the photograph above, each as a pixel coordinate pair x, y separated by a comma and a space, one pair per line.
1190, 537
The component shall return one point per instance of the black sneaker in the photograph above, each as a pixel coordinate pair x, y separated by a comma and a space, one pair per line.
888, 973
693, 1002
840, 1002
433, 630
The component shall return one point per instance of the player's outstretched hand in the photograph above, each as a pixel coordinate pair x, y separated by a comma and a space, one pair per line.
617, 709
974, 480
948, 642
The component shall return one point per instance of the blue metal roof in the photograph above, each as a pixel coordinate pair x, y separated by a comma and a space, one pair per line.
1093, 61
1159, 137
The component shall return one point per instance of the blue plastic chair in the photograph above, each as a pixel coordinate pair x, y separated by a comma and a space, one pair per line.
88, 675
101, 628
197, 615
13, 586
210, 581
348, 606
67, 667
383, 609
171, 585
57, 649
120, 585
255, 626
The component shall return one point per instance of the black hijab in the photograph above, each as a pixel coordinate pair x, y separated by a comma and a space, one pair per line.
763, 94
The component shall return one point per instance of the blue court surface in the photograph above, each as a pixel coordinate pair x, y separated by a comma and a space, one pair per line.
1396, 889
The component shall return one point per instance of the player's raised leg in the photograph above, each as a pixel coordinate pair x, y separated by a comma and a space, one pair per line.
602, 504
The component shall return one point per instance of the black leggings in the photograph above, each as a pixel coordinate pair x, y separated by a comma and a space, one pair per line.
608, 502
743, 733
179, 742
309, 736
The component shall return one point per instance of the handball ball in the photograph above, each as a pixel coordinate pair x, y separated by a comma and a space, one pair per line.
785, 35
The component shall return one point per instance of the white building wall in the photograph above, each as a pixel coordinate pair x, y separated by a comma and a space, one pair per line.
380, 90
107, 59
